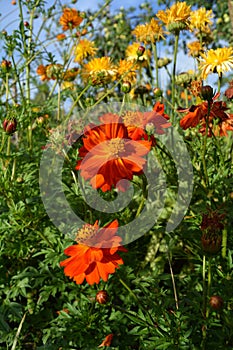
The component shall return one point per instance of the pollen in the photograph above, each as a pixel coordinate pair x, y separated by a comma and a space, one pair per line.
86, 232
116, 147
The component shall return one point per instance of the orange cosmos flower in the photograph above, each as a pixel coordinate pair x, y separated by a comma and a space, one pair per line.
70, 19
219, 122
95, 256
109, 155
107, 341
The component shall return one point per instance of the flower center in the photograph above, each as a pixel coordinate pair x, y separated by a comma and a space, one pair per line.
132, 118
85, 233
116, 147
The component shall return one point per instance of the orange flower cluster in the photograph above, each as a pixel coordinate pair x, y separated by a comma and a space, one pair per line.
111, 152
70, 19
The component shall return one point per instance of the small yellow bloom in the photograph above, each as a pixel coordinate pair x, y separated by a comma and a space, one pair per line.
177, 17
149, 32
216, 61
195, 48
125, 69
99, 71
84, 49
132, 54
200, 20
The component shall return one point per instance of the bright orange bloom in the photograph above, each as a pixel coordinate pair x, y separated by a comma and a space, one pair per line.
70, 19
95, 256
41, 70
61, 36
109, 155
219, 122
107, 341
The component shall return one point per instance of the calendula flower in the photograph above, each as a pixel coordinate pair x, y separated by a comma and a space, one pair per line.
99, 71
108, 154
216, 61
176, 17
127, 69
200, 20
195, 49
149, 32
132, 54
70, 19
84, 49
96, 255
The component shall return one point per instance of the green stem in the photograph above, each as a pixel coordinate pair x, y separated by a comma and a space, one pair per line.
204, 285
154, 49
205, 146
174, 71
224, 243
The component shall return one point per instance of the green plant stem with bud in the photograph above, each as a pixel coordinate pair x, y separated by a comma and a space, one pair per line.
154, 49
174, 71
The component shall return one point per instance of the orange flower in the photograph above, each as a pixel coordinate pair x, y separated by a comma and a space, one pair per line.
107, 341
109, 155
219, 122
70, 19
95, 256
194, 116
41, 70
138, 123
61, 36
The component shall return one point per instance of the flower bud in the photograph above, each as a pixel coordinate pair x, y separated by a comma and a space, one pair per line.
102, 297
9, 126
140, 51
158, 92
216, 302
26, 24
126, 87
6, 66
211, 242
207, 93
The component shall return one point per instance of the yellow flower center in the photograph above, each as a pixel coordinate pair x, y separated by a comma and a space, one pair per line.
85, 233
132, 118
116, 147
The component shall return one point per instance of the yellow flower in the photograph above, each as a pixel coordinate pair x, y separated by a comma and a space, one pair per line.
195, 48
200, 20
132, 54
70, 19
124, 67
149, 32
67, 85
176, 18
84, 49
216, 61
99, 71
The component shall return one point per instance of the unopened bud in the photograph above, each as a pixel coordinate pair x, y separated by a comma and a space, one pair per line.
207, 93
140, 51
158, 92
126, 87
216, 302
102, 297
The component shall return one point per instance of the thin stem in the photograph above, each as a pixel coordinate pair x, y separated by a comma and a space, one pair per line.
173, 280
224, 243
154, 49
174, 71
18, 331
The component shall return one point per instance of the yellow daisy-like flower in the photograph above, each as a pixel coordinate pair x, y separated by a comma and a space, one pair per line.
132, 54
176, 17
149, 32
195, 48
216, 61
200, 20
84, 49
99, 71
125, 68
70, 19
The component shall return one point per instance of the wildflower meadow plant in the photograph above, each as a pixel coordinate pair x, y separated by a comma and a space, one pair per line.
116, 176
